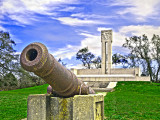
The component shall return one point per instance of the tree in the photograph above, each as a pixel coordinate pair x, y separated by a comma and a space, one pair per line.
120, 59
97, 62
133, 62
155, 53
146, 52
86, 57
11, 73
8, 57
9, 80
28, 79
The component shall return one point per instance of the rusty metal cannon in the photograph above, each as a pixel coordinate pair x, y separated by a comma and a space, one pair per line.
35, 58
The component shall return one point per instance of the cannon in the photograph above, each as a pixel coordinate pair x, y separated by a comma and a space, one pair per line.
36, 58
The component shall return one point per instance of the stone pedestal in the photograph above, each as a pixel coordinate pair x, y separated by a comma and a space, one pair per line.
79, 107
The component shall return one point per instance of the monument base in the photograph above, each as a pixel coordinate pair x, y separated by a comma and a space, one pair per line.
79, 107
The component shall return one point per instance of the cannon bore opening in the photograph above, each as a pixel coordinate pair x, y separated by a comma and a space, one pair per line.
31, 54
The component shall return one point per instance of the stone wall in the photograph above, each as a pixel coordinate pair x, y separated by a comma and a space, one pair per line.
125, 71
86, 71
131, 71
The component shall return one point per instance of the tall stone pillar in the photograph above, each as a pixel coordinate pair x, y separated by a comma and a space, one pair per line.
106, 40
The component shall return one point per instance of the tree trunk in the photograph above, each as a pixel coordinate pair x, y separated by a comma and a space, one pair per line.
149, 69
157, 73
89, 66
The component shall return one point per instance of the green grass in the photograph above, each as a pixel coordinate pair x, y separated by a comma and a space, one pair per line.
13, 103
133, 101
130, 100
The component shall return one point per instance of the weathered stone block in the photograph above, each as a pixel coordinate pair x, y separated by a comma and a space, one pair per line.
79, 107
38, 107
61, 108
88, 107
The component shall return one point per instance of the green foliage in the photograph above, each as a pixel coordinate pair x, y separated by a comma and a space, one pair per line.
10, 80
145, 52
133, 101
97, 62
118, 58
10, 67
85, 56
88, 59
25, 79
28, 79
7, 54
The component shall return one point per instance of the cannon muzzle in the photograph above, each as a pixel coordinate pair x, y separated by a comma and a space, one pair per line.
35, 58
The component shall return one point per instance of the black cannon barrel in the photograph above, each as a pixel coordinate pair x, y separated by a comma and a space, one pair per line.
35, 58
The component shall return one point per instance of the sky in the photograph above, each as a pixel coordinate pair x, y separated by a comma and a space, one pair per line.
65, 26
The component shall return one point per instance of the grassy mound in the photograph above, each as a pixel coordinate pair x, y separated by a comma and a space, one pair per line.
133, 101
130, 100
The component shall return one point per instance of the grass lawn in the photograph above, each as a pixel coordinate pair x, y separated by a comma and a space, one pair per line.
133, 101
13, 103
130, 100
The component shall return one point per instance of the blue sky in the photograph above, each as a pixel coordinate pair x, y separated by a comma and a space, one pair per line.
65, 26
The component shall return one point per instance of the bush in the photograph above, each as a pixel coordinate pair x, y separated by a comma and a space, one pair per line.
9, 80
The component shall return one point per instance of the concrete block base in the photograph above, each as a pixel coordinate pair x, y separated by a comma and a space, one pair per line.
79, 107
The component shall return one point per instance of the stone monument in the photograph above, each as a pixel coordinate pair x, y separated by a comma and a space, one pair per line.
106, 73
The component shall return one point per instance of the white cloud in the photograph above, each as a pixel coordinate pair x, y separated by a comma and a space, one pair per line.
103, 28
21, 19
23, 11
68, 52
68, 9
118, 38
82, 15
134, 30
142, 9
93, 42
2, 28
78, 22
140, 30
78, 66
11, 7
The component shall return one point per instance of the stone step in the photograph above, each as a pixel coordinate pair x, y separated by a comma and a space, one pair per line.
103, 89
112, 84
